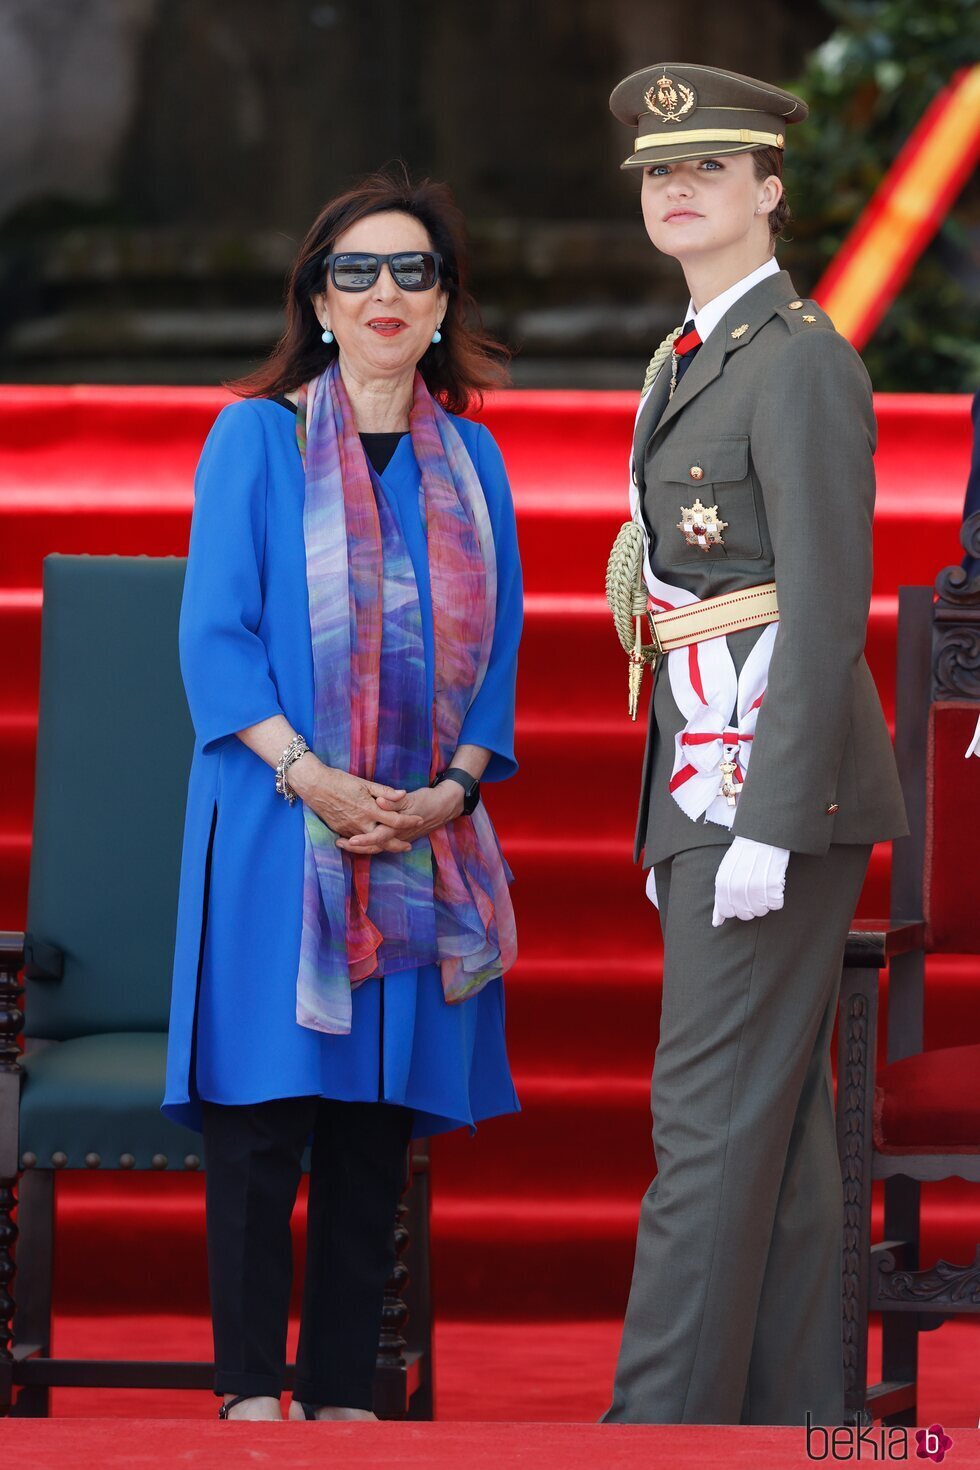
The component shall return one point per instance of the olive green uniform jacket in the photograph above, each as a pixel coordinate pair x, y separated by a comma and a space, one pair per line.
776, 411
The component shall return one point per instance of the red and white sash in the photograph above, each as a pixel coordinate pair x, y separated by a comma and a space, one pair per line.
720, 708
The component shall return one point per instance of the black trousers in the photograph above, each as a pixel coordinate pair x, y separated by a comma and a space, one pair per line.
253, 1156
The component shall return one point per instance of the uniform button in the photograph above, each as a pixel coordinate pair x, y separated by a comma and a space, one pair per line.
833, 809
697, 473
795, 305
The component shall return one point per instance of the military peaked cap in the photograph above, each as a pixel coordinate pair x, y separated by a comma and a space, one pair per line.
683, 111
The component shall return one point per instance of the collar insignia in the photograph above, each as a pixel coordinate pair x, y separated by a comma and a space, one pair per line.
740, 331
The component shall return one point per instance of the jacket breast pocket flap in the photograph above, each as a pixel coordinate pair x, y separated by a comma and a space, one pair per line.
716, 472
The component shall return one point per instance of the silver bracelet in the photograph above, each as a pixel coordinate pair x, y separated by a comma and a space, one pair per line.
296, 747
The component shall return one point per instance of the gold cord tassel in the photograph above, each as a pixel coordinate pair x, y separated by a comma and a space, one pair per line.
637, 665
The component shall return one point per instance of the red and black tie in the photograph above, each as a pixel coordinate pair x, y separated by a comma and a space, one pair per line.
686, 347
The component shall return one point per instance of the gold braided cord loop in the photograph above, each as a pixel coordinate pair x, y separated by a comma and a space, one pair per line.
625, 590
658, 359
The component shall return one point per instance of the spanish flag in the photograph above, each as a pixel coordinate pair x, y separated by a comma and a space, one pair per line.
905, 211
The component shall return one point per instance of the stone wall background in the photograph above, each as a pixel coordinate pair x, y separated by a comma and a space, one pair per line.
160, 158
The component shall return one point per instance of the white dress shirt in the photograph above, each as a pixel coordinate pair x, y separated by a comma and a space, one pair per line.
714, 310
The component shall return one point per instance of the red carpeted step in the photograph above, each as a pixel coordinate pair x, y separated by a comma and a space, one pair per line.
571, 664
130, 521
572, 667
109, 470
602, 1015
135, 1243
20, 632
15, 856
582, 898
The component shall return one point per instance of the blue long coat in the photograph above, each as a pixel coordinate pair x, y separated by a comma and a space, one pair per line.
246, 654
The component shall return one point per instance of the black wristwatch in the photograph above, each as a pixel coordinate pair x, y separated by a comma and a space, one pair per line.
470, 785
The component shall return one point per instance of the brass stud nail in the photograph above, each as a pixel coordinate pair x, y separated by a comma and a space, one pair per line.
92, 1161
59, 1160
159, 1161
126, 1161
192, 1162
29, 1160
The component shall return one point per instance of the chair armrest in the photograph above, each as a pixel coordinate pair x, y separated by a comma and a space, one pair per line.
871, 943
42, 961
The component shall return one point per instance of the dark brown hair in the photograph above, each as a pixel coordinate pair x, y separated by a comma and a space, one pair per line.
770, 161
456, 370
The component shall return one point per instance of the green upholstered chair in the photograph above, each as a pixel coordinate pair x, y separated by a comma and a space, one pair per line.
113, 751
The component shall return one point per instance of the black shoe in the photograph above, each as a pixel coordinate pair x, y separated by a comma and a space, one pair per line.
223, 1411
308, 1409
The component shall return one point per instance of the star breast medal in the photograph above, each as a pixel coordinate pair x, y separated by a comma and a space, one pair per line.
701, 526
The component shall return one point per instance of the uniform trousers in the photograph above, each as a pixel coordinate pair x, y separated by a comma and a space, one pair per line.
253, 1156
734, 1312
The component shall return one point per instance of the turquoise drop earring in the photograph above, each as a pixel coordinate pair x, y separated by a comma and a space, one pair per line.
326, 335
437, 335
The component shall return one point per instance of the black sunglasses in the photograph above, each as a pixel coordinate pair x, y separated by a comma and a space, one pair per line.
355, 270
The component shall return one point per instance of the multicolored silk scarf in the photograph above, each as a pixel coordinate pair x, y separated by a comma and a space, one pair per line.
446, 901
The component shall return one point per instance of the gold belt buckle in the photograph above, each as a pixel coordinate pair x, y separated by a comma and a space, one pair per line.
653, 651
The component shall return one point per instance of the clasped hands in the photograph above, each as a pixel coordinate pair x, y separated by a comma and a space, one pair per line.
749, 882
368, 816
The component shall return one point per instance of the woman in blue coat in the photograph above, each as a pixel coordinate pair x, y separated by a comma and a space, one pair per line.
348, 640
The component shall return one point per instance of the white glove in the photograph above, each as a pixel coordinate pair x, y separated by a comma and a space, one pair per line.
750, 881
974, 746
652, 888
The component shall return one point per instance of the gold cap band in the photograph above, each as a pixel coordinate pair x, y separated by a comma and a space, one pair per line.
709, 135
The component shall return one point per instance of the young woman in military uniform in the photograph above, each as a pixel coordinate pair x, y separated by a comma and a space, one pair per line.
768, 773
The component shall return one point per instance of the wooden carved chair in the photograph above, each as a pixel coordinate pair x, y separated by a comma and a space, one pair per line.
919, 1118
96, 960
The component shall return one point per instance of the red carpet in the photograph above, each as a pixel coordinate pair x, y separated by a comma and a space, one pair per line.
88, 1445
535, 1217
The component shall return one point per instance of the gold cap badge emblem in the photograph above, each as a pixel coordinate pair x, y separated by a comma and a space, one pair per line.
701, 526
670, 100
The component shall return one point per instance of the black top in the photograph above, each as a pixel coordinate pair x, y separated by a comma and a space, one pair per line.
378, 447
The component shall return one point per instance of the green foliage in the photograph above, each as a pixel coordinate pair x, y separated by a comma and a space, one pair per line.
867, 86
